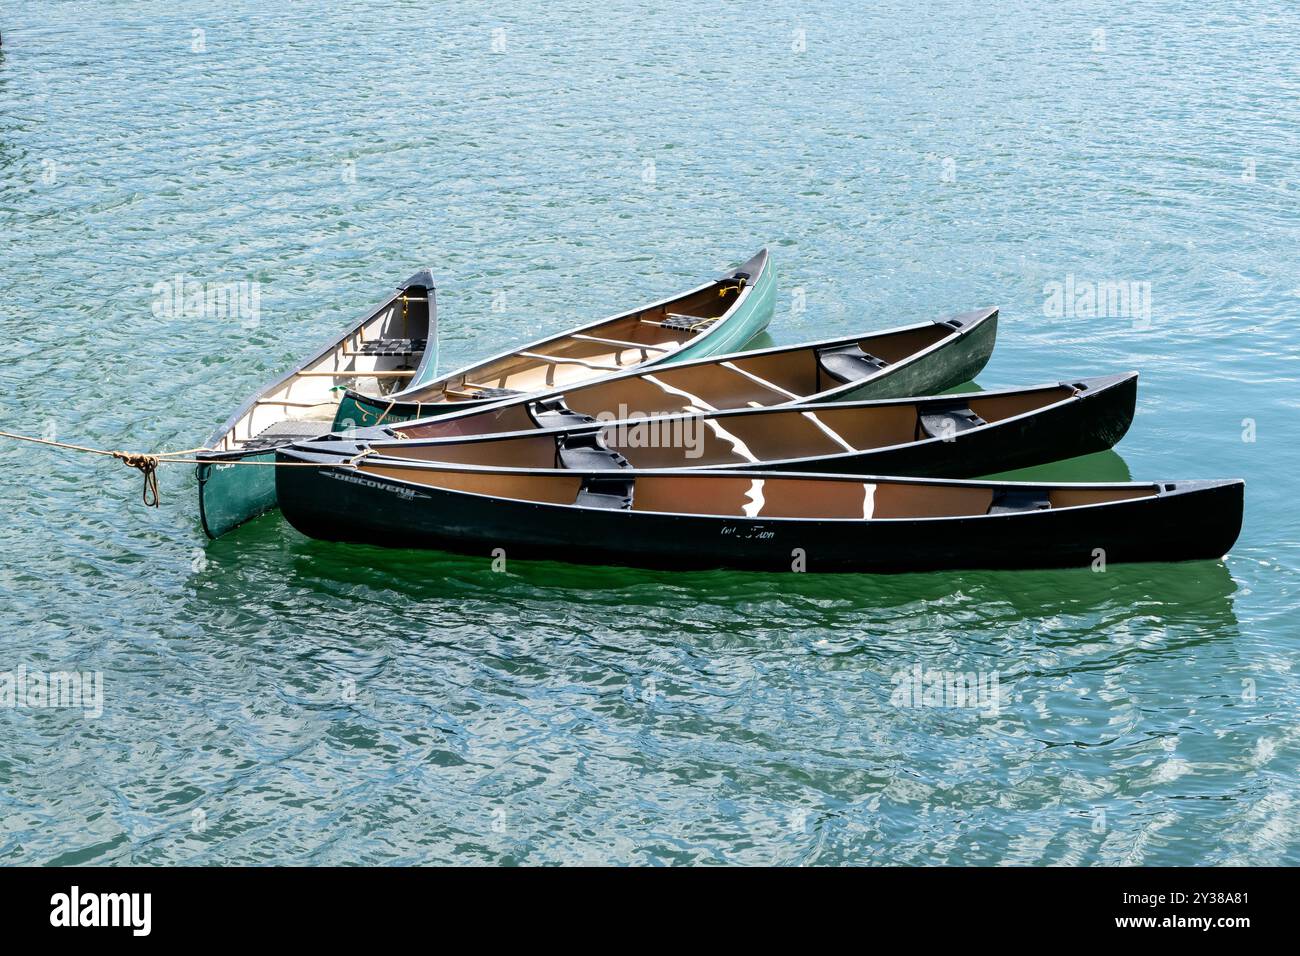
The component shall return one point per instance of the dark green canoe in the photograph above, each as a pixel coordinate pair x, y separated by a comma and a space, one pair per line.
919, 359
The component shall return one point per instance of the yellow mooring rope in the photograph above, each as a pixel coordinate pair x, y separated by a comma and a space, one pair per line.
147, 465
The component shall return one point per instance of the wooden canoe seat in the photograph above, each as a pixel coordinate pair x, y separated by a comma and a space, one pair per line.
286, 432
490, 391
848, 363
1012, 500
686, 323
389, 347
946, 421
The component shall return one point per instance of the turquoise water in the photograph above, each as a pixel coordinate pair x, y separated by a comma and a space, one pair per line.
267, 698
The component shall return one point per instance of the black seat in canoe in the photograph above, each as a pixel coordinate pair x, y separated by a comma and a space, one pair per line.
848, 363
585, 451
945, 421
613, 493
391, 347
1011, 500
553, 413
286, 432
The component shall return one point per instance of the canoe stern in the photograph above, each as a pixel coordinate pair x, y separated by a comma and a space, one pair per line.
230, 494
749, 319
958, 359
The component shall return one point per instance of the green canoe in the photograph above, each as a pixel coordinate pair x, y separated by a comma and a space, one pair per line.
921, 359
712, 319
395, 342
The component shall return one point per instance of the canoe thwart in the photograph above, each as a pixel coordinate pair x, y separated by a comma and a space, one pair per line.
620, 343
565, 360
357, 373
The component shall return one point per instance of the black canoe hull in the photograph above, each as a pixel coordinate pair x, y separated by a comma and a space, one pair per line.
1195, 520
1095, 422
1094, 419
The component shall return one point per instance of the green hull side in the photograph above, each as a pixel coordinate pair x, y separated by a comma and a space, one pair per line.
740, 327
735, 332
231, 494
951, 365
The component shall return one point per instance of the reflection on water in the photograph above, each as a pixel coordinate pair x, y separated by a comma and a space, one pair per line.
1105, 465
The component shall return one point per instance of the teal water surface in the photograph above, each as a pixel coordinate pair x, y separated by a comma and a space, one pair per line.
271, 699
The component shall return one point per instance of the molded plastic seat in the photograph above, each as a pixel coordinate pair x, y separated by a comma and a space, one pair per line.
586, 452
1009, 501
946, 422
612, 493
849, 363
553, 413
486, 392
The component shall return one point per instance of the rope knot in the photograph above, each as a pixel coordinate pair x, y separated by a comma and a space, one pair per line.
147, 465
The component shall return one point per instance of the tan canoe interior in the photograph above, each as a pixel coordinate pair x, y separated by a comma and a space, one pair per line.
617, 345
754, 382
770, 436
378, 356
731, 496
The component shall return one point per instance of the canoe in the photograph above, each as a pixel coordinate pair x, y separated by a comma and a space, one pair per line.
395, 342
775, 521
388, 349
952, 436
916, 359
719, 316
